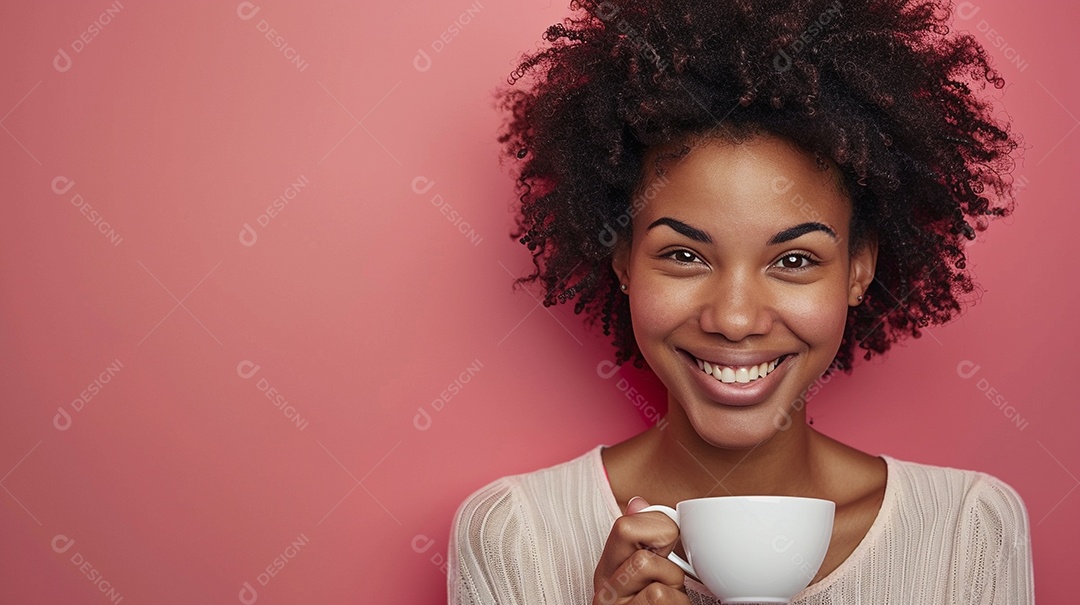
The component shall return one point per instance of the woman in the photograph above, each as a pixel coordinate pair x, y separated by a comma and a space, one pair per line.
743, 193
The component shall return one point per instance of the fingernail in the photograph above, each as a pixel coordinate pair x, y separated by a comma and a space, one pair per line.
632, 500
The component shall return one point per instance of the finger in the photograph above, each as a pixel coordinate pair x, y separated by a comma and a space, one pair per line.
660, 594
635, 505
645, 567
653, 594
643, 571
630, 533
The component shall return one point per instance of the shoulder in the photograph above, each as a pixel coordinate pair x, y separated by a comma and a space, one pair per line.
959, 490
975, 520
510, 538
987, 515
527, 494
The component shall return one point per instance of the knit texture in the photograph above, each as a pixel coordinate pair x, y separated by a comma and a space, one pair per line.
943, 535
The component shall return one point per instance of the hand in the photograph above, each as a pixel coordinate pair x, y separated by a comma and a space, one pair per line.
634, 568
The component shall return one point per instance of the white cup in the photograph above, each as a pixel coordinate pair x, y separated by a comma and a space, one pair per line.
752, 549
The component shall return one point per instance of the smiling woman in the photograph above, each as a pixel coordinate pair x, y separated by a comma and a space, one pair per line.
726, 278
743, 259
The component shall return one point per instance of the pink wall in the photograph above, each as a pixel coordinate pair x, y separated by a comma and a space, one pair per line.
361, 300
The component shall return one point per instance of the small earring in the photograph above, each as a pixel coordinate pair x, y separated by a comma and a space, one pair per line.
622, 287
859, 298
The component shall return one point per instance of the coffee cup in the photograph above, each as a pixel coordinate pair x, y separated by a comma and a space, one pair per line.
752, 549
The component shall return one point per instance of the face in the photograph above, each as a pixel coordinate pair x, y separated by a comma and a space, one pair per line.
740, 279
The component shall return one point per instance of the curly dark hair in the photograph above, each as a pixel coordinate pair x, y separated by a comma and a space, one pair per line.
878, 87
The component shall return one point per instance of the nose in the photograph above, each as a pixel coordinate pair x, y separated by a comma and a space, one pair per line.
736, 304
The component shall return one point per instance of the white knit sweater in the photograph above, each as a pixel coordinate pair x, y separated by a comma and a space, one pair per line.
942, 535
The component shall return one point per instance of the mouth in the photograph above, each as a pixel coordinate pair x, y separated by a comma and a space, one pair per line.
742, 374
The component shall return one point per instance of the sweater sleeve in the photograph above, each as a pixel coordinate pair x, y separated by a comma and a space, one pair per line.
488, 550
996, 533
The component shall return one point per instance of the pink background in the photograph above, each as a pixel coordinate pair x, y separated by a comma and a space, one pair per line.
365, 297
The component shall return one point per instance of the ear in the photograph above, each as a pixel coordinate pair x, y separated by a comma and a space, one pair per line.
620, 260
863, 264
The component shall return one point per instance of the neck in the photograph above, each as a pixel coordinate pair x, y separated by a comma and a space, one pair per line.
780, 465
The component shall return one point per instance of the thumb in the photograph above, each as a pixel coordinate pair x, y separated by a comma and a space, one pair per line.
635, 505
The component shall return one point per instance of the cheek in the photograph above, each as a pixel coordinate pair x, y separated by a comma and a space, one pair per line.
817, 317
657, 308
649, 313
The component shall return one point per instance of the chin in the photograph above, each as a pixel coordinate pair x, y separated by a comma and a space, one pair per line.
740, 430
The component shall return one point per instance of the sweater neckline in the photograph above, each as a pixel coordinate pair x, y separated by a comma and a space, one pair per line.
884, 512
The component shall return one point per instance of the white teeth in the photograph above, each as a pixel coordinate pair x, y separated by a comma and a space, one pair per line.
742, 375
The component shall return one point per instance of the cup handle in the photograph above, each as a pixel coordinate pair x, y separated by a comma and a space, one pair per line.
676, 559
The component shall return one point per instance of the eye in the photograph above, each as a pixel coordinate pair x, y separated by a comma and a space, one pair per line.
795, 261
682, 257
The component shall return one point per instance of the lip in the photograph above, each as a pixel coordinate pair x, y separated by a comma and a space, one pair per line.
734, 361
737, 394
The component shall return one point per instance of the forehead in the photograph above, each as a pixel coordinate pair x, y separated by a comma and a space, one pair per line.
760, 183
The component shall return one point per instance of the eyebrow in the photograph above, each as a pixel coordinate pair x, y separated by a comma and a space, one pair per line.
801, 229
786, 235
693, 233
